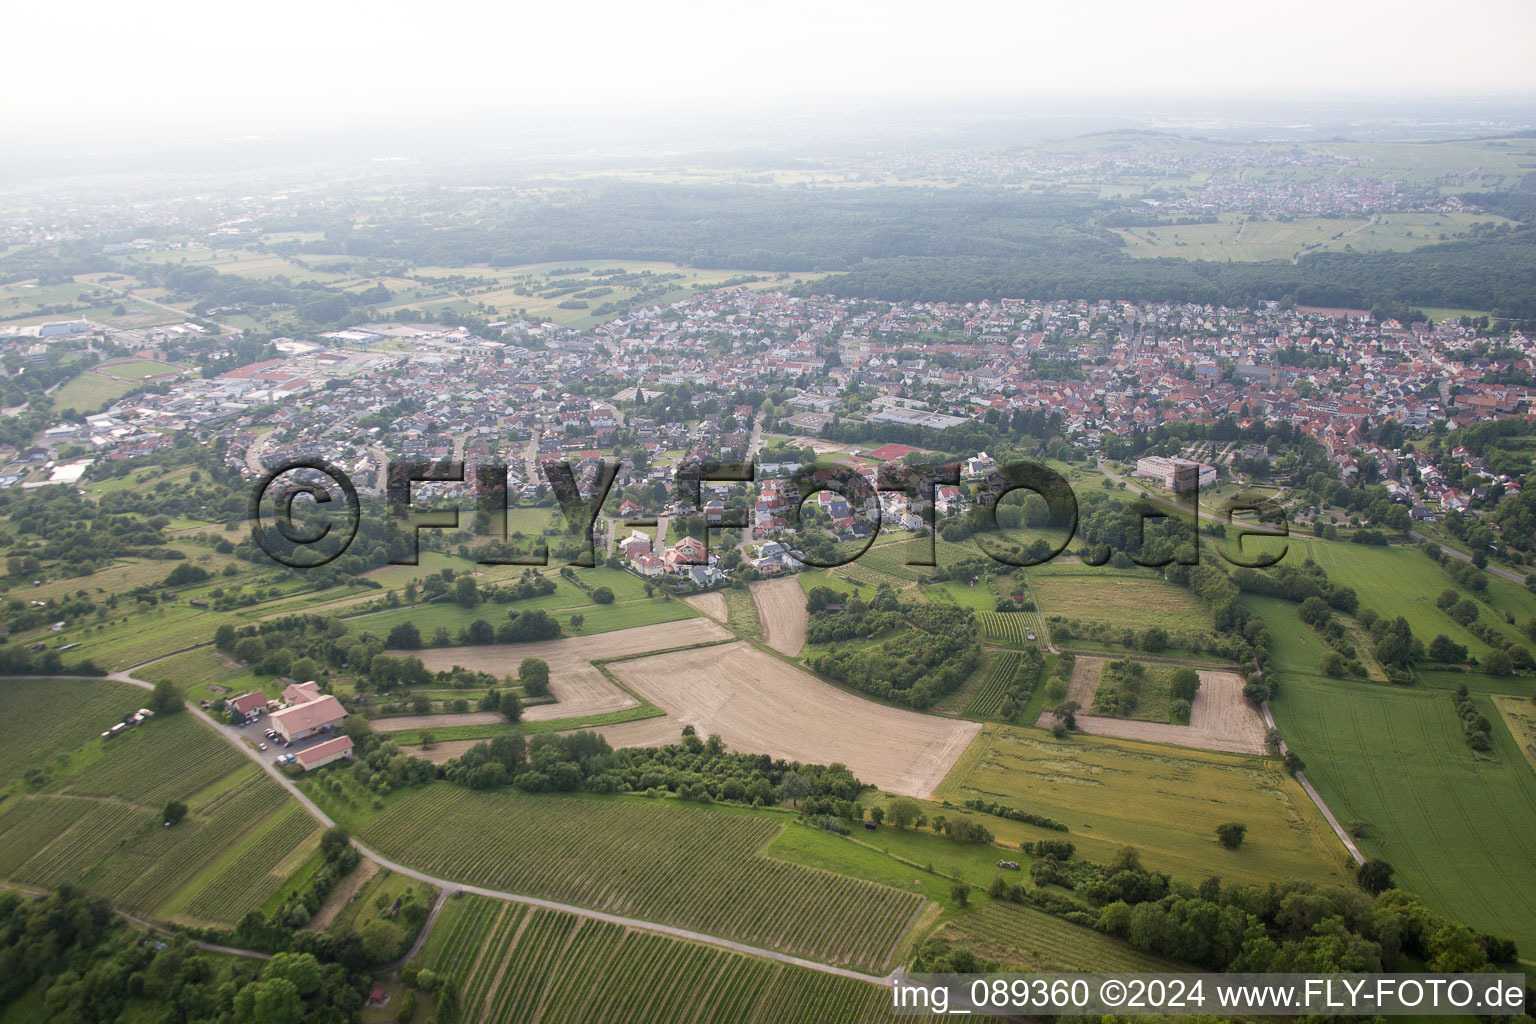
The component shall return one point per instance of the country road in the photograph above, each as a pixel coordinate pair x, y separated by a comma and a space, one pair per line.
448, 887
1462, 556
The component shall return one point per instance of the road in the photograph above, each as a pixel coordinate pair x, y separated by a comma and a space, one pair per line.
1462, 556
447, 886
1306, 785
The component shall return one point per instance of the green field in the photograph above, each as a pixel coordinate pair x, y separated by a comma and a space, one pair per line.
97, 824
1236, 236
1126, 600
1165, 802
511, 962
49, 718
1022, 938
1458, 828
661, 861
1294, 646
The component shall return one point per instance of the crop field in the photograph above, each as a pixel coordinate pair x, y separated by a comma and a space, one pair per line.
164, 759
659, 861
1122, 601
1166, 802
251, 870
513, 963
98, 826
1294, 646
1009, 628
1404, 581
46, 718
759, 704
579, 687
988, 697
1237, 237
781, 612
1519, 714
1022, 938
1458, 828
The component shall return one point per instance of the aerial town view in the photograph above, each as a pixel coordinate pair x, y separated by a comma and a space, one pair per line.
597, 561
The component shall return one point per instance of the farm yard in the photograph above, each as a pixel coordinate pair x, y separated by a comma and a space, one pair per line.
515, 963
658, 861
1458, 827
1164, 801
758, 704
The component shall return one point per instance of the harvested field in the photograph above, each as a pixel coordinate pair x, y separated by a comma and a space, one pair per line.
577, 685
759, 704
711, 604
1219, 717
442, 751
405, 722
781, 608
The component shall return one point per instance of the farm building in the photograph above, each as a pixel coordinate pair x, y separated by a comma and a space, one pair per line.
322, 754
301, 693
304, 720
250, 704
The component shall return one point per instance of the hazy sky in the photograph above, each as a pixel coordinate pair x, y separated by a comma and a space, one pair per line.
174, 63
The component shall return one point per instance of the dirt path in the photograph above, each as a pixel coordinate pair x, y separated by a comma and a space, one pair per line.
781, 610
761, 705
341, 896
579, 688
711, 604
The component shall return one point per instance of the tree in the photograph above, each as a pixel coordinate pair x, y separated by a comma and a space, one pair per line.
250, 649
335, 840
466, 593
165, 699
1185, 684
960, 893
1498, 663
428, 740
1374, 876
903, 812
175, 810
1294, 763
304, 669
302, 969
224, 637
602, 595
877, 814
1231, 834
533, 674
274, 1001
406, 636
1154, 639
793, 787
381, 940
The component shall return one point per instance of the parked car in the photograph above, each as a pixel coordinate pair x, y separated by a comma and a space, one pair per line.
262, 746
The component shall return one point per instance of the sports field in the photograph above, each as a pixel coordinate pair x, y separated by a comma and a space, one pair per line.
1166, 802
1458, 828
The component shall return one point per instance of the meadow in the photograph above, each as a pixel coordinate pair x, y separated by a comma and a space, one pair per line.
512, 962
1126, 600
1166, 802
1239, 237
660, 861
1459, 828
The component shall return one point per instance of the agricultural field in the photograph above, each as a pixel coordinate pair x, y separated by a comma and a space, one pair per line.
658, 861
1164, 801
1123, 600
1239, 237
1519, 714
781, 611
96, 823
515, 963
1010, 629
1022, 938
985, 700
1294, 646
1458, 827
38, 730
759, 704
579, 687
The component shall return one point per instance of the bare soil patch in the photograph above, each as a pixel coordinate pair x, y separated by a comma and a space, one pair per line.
758, 704
1219, 717
404, 722
711, 604
781, 610
578, 687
